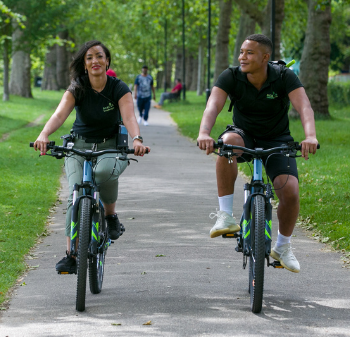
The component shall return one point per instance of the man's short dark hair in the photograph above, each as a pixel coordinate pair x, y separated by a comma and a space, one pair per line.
179, 79
144, 67
262, 39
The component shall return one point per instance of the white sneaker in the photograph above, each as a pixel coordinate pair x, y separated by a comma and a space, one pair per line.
139, 120
145, 123
225, 224
285, 256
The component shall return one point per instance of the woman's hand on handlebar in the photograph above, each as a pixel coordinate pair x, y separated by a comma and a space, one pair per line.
140, 149
309, 145
41, 142
206, 143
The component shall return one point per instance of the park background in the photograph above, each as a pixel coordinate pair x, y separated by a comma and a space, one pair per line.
194, 40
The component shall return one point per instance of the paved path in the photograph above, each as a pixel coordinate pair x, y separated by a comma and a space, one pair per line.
198, 288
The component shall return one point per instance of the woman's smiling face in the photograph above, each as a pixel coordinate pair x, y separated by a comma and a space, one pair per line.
96, 61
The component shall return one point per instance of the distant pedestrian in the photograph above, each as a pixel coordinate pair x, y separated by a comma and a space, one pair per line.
111, 72
143, 94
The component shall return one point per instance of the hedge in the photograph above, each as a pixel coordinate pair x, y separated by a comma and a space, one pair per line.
339, 93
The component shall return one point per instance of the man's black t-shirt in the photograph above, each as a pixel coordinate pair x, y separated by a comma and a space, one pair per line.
97, 116
263, 113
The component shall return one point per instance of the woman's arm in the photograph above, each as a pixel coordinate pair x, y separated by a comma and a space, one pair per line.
56, 120
126, 107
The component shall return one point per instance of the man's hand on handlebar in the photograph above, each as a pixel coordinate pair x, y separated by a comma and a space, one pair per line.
206, 143
309, 145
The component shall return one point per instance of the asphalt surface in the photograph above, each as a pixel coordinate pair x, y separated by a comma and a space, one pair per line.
166, 269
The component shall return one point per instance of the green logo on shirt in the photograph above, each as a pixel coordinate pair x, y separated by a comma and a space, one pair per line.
109, 107
272, 96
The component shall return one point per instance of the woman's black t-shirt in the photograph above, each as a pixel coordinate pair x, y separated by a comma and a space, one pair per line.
263, 113
96, 115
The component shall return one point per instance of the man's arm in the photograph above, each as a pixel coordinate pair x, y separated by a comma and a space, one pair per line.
154, 92
301, 103
135, 91
215, 104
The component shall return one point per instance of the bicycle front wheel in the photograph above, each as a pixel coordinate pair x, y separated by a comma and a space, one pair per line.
97, 261
257, 254
82, 257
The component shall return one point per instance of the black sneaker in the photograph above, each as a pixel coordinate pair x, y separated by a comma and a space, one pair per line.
115, 228
67, 265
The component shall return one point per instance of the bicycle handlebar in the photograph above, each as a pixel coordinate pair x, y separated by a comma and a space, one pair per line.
87, 153
259, 152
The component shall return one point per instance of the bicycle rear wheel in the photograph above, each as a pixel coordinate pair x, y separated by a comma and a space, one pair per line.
257, 256
97, 262
82, 257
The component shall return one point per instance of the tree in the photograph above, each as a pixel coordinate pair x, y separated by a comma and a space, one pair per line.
6, 16
315, 58
246, 28
262, 16
222, 38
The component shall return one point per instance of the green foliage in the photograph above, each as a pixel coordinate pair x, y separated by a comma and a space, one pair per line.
29, 183
325, 203
339, 93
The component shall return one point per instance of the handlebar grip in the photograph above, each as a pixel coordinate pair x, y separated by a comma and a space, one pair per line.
51, 143
299, 147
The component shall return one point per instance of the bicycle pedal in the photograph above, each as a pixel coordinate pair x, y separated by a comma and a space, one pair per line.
276, 264
65, 272
230, 235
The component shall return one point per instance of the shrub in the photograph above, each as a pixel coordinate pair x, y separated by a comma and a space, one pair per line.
339, 93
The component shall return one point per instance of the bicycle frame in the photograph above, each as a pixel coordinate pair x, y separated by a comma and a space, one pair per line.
255, 187
89, 191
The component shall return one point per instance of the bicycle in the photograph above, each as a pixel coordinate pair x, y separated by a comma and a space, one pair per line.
254, 238
88, 245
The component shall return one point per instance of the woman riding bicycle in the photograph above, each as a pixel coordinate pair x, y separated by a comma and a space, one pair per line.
99, 101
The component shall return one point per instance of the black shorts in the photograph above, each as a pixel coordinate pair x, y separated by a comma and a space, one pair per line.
275, 164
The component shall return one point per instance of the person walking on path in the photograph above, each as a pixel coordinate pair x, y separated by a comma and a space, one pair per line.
169, 95
143, 94
263, 92
100, 101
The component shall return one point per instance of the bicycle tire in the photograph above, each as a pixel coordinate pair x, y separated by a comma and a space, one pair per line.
257, 256
97, 262
82, 257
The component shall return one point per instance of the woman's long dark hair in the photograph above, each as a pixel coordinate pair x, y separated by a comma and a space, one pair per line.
79, 79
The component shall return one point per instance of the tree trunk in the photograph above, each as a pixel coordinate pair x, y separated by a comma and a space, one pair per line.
63, 61
21, 65
279, 17
315, 58
246, 28
194, 70
263, 19
50, 71
6, 95
167, 77
200, 80
222, 38
160, 78
189, 73
178, 63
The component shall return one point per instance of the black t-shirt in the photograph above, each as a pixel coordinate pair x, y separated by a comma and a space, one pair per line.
263, 113
97, 116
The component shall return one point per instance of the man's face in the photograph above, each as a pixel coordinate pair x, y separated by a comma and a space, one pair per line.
253, 56
144, 71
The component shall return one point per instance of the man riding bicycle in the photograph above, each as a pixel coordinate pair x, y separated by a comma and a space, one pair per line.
262, 93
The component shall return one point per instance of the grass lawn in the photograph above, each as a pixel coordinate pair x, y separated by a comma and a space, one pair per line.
324, 178
29, 184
